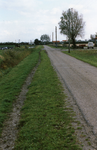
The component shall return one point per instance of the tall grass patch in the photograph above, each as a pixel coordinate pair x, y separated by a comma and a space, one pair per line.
88, 56
45, 124
0, 52
13, 57
11, 84
10, 58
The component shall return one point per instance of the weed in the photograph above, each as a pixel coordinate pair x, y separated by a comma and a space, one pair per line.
87, 139
89, 143
79, 128
82, 135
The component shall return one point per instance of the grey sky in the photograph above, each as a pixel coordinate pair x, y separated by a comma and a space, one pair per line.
29, 19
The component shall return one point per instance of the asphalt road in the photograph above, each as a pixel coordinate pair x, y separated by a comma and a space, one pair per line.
81, 80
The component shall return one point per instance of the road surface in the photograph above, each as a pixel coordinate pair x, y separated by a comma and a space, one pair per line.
81, 80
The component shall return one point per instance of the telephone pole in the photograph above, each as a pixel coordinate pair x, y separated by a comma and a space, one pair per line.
52, 36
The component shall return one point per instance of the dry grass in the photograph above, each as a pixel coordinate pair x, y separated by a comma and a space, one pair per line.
11, 58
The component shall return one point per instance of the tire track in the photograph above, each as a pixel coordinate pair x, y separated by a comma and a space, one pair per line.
10, 129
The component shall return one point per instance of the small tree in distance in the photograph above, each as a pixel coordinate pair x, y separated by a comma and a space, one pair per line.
45, 38
71, 25
37, 42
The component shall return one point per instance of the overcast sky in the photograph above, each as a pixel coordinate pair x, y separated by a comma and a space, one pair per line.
29, 19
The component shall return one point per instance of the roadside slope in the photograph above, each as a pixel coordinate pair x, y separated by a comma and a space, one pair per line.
11, 84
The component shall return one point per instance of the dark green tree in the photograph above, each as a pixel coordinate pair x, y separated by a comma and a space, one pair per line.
37, 42
71, 25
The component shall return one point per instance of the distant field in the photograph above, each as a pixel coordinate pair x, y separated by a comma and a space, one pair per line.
7, 45
88, 56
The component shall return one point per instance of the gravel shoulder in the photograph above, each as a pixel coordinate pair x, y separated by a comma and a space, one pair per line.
79, 81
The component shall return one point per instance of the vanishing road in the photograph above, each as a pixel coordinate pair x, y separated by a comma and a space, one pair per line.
81, 80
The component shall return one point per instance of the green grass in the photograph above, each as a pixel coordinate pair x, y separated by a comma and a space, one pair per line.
88, 56
1, 52
11, 84
11, 58
6, 45
44, 124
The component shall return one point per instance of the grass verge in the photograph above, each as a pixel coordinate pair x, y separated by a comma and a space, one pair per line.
11, 84
10, 58
44, 124
88, 56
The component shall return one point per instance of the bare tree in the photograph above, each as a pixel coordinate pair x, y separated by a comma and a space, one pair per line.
71, 25
45, 38
92, 36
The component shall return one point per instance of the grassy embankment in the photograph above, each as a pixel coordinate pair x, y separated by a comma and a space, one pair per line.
11, 83
88, 56
45, 124
10, 58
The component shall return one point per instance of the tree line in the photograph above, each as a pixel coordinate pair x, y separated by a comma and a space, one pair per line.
44, 39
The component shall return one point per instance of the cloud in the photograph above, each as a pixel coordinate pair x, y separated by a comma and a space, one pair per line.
29, 19
55, 11
20, 4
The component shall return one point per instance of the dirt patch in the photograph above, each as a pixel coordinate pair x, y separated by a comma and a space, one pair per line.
10, 129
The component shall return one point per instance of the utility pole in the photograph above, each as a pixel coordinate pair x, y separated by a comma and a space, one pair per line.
19, 41
56, 35
52, 36
69, 32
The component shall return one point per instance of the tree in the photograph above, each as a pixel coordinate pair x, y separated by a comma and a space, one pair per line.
92, 36
45, 38
37, 42
71, 25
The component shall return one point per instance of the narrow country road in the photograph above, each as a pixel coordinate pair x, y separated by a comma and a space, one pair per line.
81, 80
